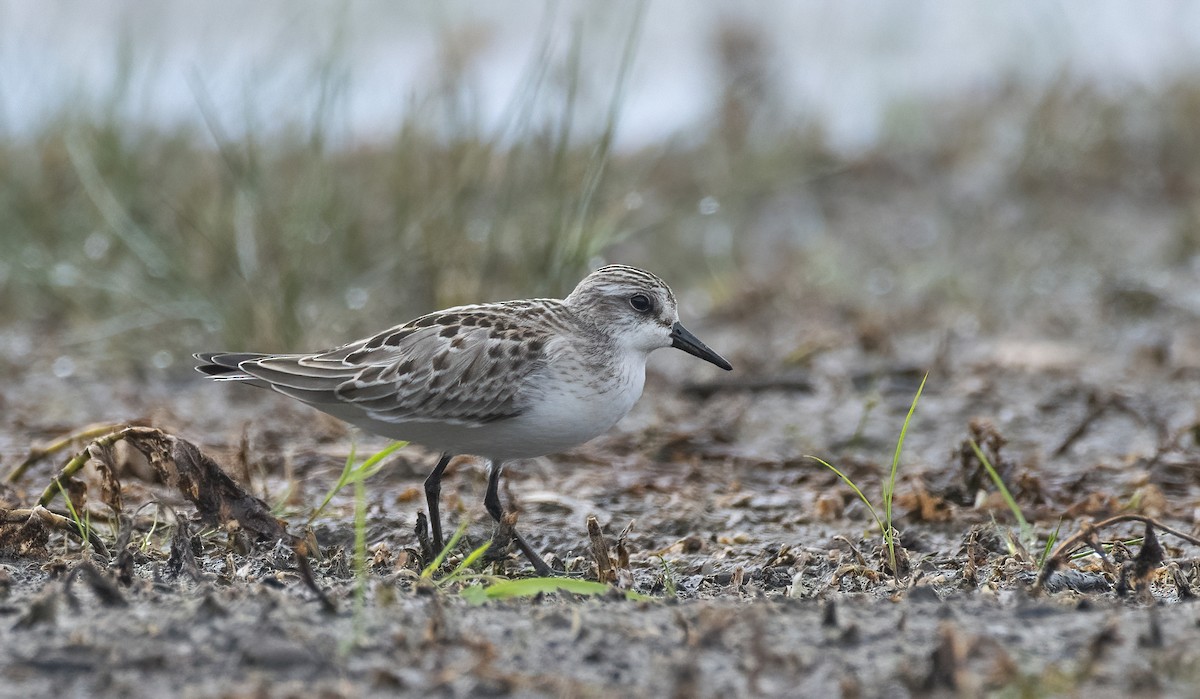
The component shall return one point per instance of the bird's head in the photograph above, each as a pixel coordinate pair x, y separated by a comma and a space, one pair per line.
638, 310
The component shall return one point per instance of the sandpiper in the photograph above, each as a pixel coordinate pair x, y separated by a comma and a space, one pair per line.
503, 381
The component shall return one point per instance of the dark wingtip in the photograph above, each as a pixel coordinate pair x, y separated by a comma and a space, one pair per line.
213, 370
223, 364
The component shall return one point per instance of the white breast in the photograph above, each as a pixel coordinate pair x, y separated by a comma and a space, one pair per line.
568, 405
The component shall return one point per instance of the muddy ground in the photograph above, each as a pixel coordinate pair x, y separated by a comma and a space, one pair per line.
1077, 364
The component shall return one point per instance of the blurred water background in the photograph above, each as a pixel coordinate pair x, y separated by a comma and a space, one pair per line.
178, 176
270, 65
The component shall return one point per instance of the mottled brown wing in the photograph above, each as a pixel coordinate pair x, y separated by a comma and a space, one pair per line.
465, 366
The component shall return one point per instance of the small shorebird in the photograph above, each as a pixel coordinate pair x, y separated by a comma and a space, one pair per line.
508, 380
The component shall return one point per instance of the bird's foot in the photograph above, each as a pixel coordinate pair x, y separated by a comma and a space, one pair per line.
505, 535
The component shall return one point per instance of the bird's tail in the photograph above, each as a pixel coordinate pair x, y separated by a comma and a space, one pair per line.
226, 366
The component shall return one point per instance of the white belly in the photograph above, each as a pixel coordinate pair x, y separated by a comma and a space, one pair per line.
561, 412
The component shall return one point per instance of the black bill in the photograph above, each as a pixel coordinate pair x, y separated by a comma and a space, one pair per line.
682, 339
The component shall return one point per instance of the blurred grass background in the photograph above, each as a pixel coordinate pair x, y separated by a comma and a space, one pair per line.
137, 242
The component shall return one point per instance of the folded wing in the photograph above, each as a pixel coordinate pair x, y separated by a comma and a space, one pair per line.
464, 366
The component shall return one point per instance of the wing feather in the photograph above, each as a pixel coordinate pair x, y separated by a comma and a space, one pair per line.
466, 365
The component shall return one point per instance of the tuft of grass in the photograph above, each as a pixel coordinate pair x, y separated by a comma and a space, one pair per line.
1049, 547
669, 584
890, 489
1026, 533
117, 230
83, 526
356, 474
359, 565
886, 529
460, 571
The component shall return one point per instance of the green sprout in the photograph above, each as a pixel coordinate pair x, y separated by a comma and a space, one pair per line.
669, 585
356, 474
886, 530
1022, 524
84, 526
532, 587
460, 571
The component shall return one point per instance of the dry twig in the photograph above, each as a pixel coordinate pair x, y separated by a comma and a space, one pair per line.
1087, 534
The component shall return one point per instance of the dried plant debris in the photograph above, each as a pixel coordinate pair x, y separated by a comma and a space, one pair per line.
611, 560
991, 442
181, 466
975, 556
25, 532
605, 570
42, 451
1135, 572
424, 545
184, 549
1183, 586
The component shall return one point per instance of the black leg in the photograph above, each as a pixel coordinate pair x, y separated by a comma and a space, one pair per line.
433, 494
491, 500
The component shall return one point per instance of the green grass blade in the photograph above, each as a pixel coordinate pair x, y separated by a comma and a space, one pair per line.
1107, 546
440, 558
1008, 498
474, 595
531, 587
467, 562
669, 585
354, 474
528, 587
360, 556
855, 488
1049, 547
79, 523
890, 488
337, 487
374, 464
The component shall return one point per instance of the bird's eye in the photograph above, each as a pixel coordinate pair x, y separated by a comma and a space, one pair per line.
640, 303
